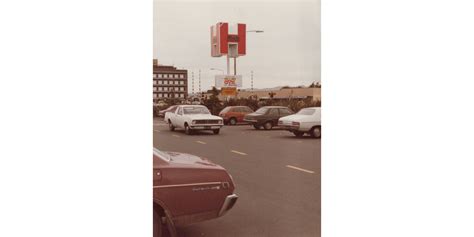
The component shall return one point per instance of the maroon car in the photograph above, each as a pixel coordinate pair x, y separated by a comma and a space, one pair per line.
234, 114
188, 189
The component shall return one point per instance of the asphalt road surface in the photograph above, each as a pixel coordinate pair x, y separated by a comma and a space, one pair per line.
277, 177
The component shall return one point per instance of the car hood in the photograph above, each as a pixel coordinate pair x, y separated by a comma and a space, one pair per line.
188, 159
203, 116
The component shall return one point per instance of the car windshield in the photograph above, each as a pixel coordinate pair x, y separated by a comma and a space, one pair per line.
261, 111
195, 110
161, 154
306, 111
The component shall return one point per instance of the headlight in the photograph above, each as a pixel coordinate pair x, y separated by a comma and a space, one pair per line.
193, 122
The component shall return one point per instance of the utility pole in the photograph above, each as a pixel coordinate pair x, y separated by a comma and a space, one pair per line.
251, 80
192, 82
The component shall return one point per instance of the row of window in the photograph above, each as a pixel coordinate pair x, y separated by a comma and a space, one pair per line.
168, 88
165, 82
160, 75
170, 95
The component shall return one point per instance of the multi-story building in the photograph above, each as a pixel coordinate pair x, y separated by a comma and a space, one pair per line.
169, 82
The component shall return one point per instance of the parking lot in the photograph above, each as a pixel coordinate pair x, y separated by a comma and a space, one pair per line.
277, 178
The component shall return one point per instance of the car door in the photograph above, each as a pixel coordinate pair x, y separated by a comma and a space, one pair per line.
179, 118
273, 115
239, 114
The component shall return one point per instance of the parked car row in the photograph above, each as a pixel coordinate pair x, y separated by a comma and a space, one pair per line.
192, 118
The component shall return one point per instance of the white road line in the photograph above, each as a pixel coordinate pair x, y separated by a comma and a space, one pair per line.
174, 135
238, 152
300, 169
200, 142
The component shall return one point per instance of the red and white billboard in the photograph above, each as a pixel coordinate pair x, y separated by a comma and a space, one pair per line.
224, 43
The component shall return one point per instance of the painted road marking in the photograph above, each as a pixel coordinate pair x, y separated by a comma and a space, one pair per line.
238, 152
300, 169
200, 142
174, 135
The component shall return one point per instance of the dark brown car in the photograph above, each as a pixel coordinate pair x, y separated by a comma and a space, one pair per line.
234, 114
188, 189
267, 116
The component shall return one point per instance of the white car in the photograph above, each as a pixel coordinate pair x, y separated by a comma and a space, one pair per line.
192, 118
307, 120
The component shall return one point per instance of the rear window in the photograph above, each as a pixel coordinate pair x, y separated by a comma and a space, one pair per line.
225, 110
261, 111
306, 111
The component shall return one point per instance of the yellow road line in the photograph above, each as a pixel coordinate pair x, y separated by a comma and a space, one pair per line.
300, 169
200, 142
238, 152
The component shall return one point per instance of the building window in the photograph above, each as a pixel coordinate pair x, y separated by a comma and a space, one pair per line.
154, 82
165, 88
154, 95
176, 88
165, 95
154, 88
160, 82
154, 75
160, 88
181, 76
181, 82
181, 89
160, 75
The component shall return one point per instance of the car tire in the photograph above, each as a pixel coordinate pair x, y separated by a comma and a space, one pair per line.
268, 125
232, 121
216, 131
315, 132
157, 225
256, 127
170, 125
298, 133
187, 130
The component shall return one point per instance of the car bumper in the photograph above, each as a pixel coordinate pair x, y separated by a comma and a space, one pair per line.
229, 202
289, 127
205, 127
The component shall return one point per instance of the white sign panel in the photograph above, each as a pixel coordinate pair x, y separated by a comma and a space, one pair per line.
228, 81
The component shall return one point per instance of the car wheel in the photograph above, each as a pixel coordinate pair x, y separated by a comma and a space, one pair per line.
298, 133
233, 121
170, 125
216, 131
268, 125
256, 127
187, 130
157, 225
316, 132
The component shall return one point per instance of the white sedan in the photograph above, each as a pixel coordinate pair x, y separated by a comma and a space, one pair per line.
192, 118
307, 120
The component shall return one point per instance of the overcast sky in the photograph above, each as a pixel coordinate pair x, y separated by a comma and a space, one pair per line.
287, 53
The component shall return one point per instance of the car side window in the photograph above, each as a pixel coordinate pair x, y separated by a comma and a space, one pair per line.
248, 110
180, 111
273, 112
238, 110
284, 112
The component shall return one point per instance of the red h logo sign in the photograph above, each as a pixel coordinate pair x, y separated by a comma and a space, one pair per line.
223, 43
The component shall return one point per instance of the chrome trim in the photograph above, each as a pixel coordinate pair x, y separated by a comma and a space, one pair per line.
227, 202
186, 185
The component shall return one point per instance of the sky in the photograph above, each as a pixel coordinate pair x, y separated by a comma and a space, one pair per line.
288, 53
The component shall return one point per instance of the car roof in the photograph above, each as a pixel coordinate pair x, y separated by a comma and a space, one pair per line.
275, 107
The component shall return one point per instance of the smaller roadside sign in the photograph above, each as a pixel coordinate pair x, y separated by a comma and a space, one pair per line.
229, 91
228, 81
